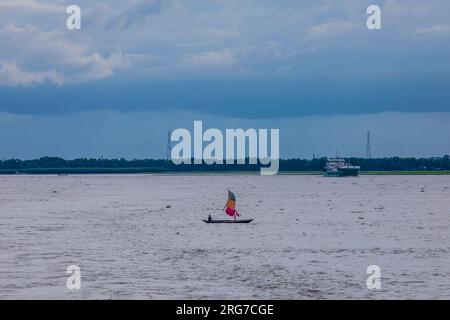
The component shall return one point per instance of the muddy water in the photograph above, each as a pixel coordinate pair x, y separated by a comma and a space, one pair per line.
141, 236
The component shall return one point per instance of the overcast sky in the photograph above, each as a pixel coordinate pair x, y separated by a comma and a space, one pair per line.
139, 68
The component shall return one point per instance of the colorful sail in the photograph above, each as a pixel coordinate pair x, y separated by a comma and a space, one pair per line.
230, 207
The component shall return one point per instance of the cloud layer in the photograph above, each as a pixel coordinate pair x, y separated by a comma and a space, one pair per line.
263, 58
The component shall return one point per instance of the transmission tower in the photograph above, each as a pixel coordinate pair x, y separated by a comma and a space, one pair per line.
368, 151
169, 144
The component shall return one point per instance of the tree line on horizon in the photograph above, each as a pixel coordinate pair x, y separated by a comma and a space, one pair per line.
316, 164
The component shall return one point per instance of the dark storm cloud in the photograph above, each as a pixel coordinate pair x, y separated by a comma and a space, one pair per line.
259, 59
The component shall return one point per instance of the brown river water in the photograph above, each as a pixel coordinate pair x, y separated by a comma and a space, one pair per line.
141, 236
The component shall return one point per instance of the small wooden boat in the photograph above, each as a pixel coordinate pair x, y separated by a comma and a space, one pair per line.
228, 221
230, 209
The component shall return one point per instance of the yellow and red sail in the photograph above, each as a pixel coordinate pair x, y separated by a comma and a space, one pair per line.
230, 206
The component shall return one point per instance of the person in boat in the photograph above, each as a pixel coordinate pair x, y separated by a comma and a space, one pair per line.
209, 218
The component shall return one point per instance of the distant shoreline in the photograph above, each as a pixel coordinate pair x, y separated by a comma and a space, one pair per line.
155, 170
315, 166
